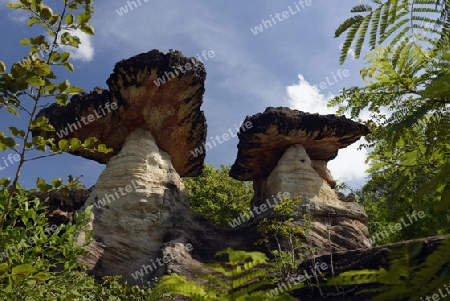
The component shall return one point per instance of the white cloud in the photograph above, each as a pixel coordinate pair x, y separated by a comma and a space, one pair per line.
349, 166
17, 15
85, 52
306, 97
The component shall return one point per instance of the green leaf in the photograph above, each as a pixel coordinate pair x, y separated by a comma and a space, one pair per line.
87, 29
55, 57
89, 142
13, 5
40, 121
63, 144
62, 87
48, 128
42, 185
83, 18
36, 80
25, 269
65, 56
69, 19
4, 182
43, 69
2, 67
13, 111
46, 12
3, 268
74, 90
75, 143
62, 99
103, 149
53, 20
9, 142
25, 42
14, 131
69, 66
56, 182
33, 20
41, 276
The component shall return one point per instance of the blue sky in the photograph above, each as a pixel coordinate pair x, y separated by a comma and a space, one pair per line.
284, 65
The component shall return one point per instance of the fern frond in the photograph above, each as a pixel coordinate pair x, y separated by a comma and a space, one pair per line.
389, 18
398, 51
429, 271
216, 282
362, 35
347, 24
385, 17
348, 42
245, 279
178, 285
361, 8
394, 28
393, 12
358, 277
374, 29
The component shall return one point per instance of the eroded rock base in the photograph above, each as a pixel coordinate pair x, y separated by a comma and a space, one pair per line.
135, 202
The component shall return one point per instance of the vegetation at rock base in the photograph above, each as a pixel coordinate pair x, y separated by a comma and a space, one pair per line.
218, 197
286, 223
407, 90
238, 279
39, 261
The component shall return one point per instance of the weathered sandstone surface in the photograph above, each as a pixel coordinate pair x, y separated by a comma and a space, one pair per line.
287, 151
170, 111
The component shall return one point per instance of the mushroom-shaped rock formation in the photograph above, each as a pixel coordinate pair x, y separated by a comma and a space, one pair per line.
147, 91
152, 127
287, 151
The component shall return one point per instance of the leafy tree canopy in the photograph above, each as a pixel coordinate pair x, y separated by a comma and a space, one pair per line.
217, 196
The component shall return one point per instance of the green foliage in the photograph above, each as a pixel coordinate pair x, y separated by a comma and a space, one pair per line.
217, 196
243, 277
112, 290
402, 22
407, 96
32, 80
39, 261
404, 278
289, 228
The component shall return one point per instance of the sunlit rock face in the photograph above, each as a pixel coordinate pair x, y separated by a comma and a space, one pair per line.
136, 199
336, 225
136, 98
287, 151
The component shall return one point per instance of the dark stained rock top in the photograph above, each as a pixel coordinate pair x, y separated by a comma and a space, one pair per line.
272, 132
155, 91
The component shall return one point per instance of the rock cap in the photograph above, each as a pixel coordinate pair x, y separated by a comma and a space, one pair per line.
158, 92
276, 129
